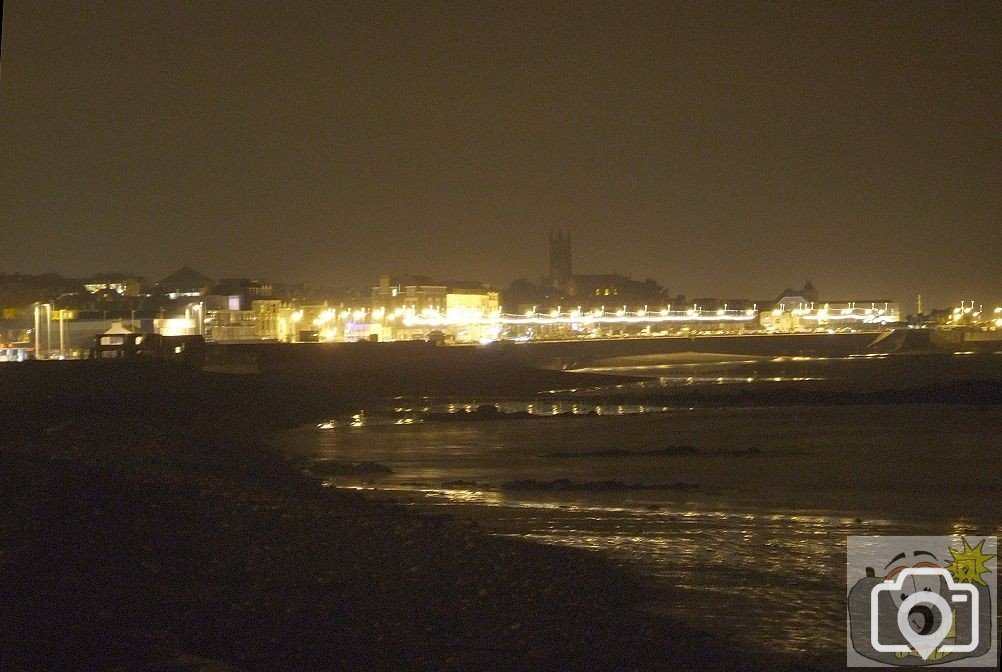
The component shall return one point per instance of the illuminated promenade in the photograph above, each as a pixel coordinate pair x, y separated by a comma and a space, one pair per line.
463, 325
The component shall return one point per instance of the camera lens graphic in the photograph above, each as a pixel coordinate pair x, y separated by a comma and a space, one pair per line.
926, 640
922, 617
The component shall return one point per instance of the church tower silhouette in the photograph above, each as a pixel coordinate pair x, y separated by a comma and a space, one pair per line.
560, 258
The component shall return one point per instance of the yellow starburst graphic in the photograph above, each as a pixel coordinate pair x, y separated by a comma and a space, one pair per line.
969, 563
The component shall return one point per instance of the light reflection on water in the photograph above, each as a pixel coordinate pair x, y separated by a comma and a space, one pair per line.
410, 414
860, 372
757, 553
774, 581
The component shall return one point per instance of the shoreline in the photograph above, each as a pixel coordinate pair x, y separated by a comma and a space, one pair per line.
173, 548
680, 538
149, 524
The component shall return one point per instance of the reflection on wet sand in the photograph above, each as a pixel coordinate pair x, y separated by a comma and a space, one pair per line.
770, 580
755, 551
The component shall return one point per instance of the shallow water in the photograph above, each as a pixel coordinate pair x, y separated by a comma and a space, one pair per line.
756, 552
864, 372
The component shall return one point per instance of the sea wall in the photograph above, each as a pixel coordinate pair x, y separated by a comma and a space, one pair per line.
410, 357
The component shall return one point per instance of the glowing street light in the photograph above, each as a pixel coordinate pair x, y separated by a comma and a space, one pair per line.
38, 332
48, 329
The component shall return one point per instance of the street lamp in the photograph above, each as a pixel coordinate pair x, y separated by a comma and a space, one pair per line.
62, 333
296, 316
62, 322
200, 324
48, 329
38, 332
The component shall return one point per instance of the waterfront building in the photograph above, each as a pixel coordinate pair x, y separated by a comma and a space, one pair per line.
417, 294
831, 315
413, 307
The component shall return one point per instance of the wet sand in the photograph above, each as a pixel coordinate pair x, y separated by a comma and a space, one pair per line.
145, 525
752, 519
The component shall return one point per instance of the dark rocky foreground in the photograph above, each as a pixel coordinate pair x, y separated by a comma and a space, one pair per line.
145, 526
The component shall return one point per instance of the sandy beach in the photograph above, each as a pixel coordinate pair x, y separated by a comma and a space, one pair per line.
149, 523
146, 526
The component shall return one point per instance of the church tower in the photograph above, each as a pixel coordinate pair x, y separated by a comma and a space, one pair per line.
560, 258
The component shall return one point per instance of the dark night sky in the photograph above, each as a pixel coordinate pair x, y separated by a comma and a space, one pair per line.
724, 149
